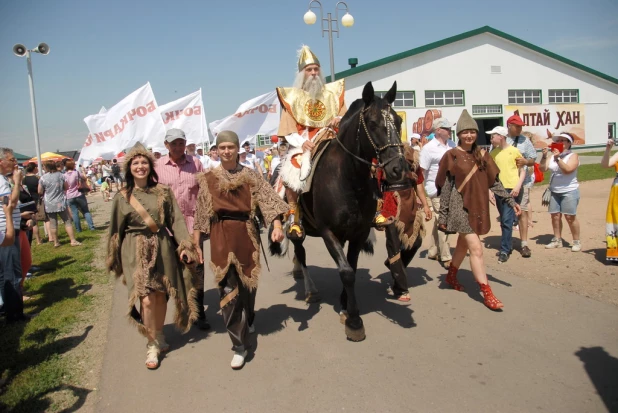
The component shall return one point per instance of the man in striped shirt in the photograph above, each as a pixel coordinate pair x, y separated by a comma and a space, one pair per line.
179, 171
10, 263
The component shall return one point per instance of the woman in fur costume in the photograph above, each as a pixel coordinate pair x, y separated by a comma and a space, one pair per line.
227, 203
143, 252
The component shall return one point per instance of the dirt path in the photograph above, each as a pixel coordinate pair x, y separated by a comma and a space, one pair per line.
585, 272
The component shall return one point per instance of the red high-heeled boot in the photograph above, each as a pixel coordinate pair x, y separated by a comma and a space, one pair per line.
451, 278
490, 299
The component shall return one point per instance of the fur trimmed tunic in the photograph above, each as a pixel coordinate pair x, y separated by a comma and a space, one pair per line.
235, 241
150, 262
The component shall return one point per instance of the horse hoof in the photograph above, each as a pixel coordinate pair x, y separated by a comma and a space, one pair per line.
355, 335
313, 297
298, 275
342, 317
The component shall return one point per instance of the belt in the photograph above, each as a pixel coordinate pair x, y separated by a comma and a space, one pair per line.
397, 187
236, 217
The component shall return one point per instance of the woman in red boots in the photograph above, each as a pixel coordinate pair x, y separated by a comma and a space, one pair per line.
465, 174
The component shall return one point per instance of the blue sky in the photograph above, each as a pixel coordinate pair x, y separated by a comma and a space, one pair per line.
235, 50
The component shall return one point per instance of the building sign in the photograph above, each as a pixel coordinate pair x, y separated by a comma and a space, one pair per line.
544, 121
404, 126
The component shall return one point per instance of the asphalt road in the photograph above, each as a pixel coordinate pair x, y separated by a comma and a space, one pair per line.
548, 351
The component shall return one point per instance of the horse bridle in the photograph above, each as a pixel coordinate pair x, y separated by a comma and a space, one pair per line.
389, 126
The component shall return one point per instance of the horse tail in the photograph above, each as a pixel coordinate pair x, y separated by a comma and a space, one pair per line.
279, 249
367, 246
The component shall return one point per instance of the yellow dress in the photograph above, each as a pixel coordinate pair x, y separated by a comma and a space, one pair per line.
611, 221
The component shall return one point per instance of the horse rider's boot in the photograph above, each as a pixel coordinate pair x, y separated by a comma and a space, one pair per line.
490, 299
451, 278
296, 230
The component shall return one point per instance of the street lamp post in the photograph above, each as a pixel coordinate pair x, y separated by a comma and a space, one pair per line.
347, 21
20, 51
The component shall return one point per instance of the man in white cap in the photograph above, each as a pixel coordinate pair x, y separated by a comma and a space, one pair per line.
431, 154
306, 109
178, 171
212, 160
415, 141
512, 178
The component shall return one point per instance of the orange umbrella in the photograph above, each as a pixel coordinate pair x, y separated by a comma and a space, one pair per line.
47, 156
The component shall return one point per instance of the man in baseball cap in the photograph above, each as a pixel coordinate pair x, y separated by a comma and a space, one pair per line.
512, 178
515, 138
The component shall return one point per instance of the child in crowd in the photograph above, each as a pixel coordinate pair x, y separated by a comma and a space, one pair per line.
105, 187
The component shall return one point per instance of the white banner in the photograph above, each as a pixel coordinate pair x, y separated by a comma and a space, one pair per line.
258, 116
135, 118
187, 113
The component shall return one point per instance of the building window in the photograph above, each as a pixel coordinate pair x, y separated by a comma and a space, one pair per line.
263, 140
563, 96
444, 98
403, 99
486, 109
518, 97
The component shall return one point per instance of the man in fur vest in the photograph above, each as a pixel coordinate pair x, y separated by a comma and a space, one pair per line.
310, 109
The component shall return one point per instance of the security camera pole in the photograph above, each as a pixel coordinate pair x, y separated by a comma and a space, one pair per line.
20, 51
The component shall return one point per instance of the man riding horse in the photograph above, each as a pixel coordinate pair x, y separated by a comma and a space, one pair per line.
310, 109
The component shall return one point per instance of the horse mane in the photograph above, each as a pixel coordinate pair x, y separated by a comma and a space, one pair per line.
351, 116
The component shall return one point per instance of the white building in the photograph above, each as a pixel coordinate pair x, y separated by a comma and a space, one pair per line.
493, 74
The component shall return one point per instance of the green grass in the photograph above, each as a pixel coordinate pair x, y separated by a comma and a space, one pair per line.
33, 363
587, 173
593, 153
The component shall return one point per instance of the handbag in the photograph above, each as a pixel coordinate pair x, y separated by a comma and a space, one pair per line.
40, 210
83, 184
546, 197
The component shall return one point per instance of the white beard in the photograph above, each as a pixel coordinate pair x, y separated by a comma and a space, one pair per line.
312, 85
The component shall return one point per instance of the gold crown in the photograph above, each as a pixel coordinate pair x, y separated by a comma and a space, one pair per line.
306, 58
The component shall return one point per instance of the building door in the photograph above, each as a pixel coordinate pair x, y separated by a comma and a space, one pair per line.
611, 130
485, 125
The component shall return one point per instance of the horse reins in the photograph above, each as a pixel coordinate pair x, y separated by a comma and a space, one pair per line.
389, 125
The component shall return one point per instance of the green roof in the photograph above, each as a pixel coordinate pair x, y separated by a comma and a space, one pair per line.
467, 35
20, 157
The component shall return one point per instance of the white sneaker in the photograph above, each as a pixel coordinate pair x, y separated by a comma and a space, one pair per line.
577, 246
251, 329
555, 243
238, 361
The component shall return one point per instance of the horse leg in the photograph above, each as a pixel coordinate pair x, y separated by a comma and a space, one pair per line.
297, 271
354, 329
311, 293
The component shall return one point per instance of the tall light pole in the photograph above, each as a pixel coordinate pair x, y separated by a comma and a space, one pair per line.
20, 51
347, 21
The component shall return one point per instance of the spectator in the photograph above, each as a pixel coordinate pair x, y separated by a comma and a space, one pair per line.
75, 198
212, 160
415, 142
512, 178
27, 205
31, 181
10, 256
564, 189
105, 189
278, 154
431, 154
52, 186
528, 158
106, 170
117, 174
611, 221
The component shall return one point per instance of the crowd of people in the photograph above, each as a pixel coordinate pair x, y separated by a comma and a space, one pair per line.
168, 208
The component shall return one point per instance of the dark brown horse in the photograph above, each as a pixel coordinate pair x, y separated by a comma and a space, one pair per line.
341, 205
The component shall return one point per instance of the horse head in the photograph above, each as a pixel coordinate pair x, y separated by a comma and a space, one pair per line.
381, 126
